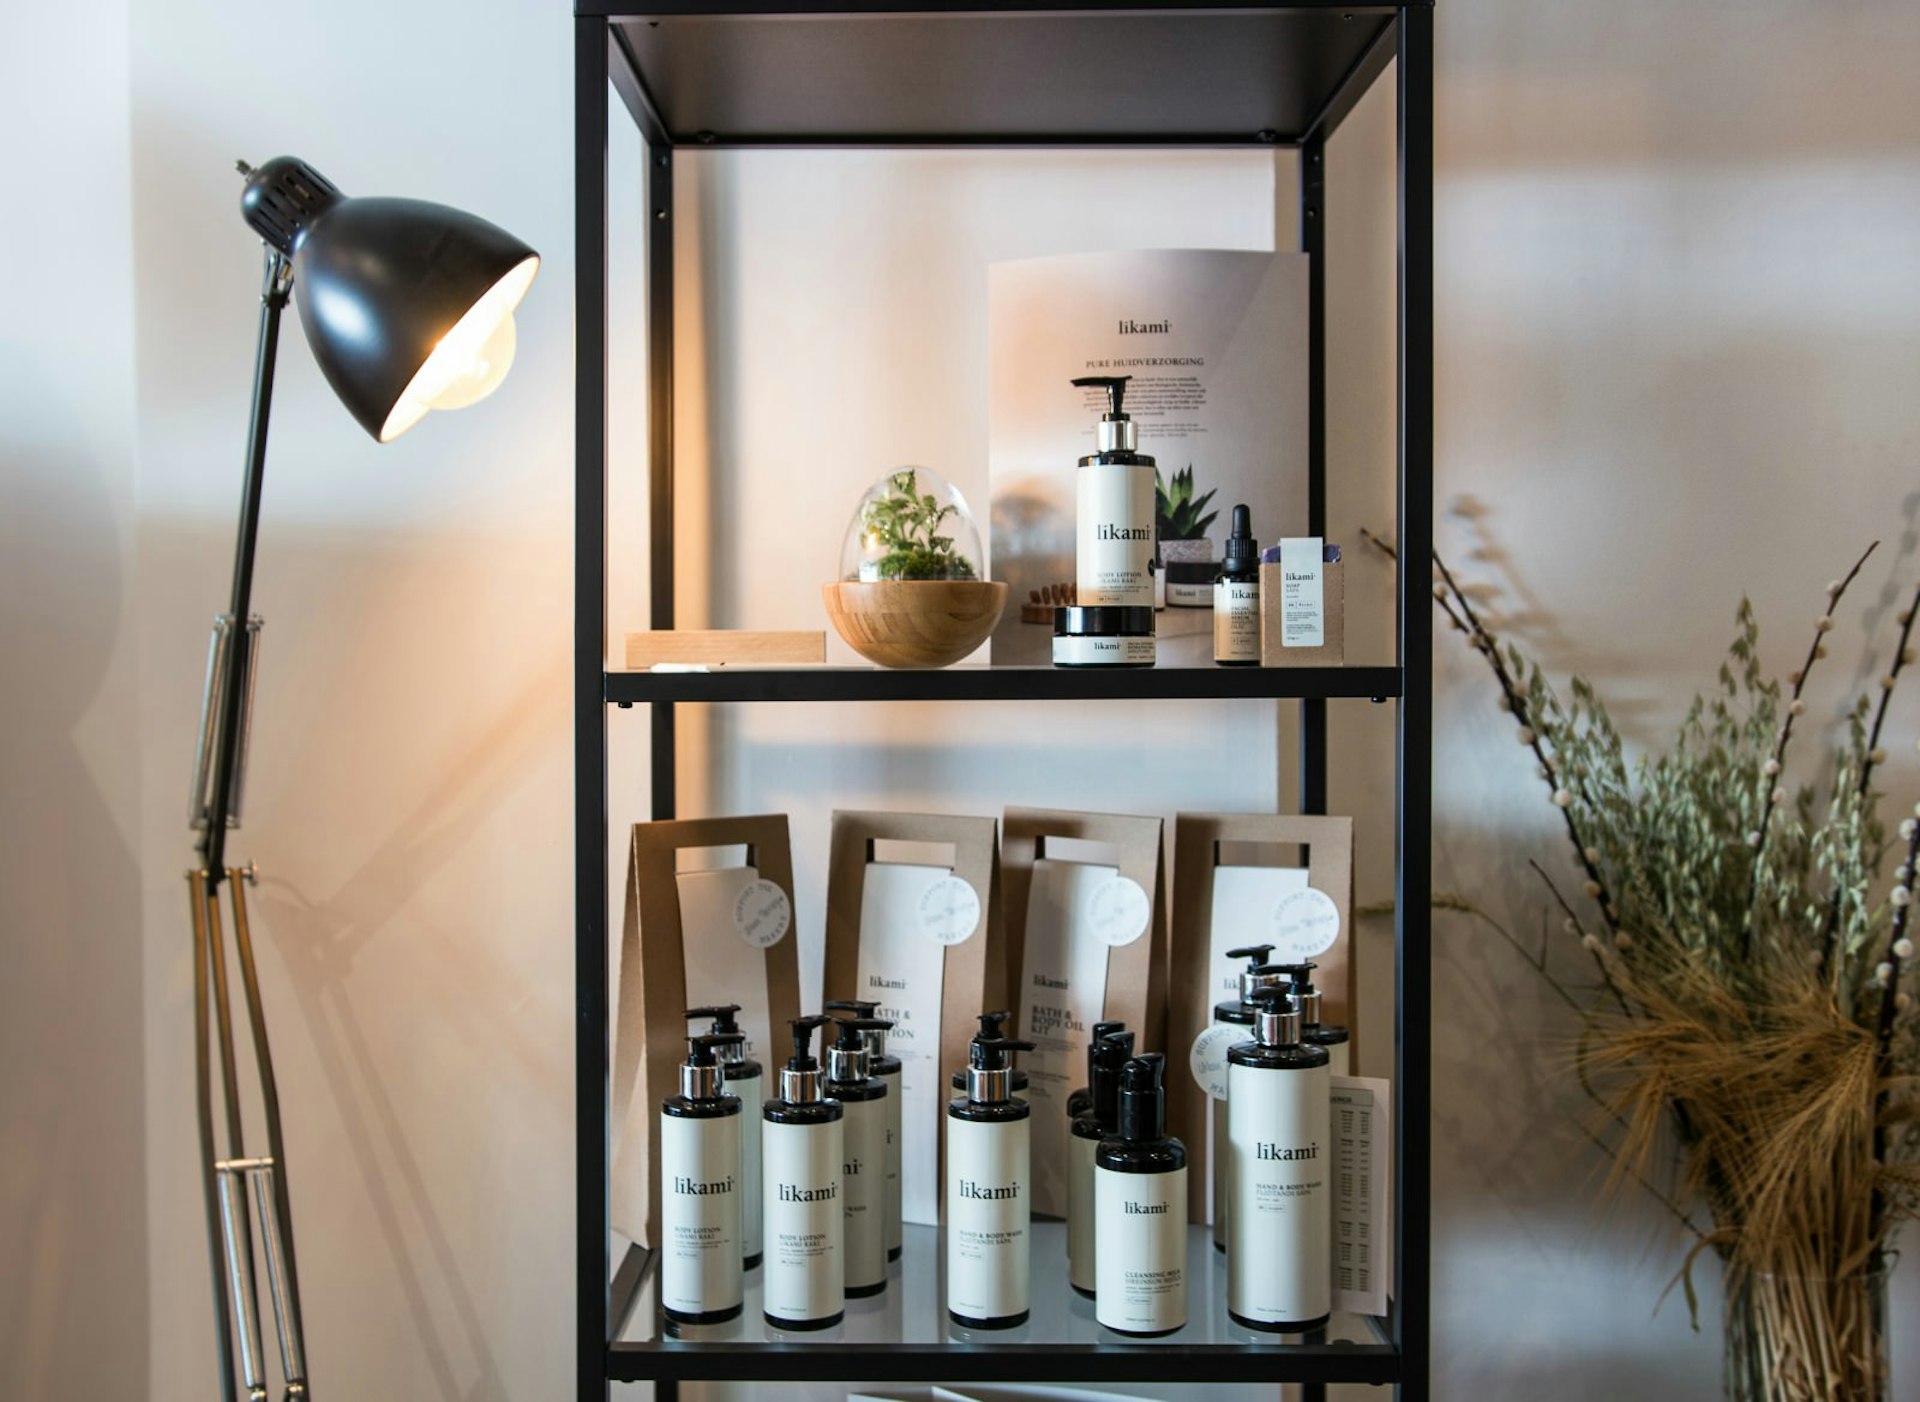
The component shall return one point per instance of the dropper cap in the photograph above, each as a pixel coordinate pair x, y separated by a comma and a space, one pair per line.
1276, 1023
1107, 1055
1258, 973
1243, 551
800, 1077
1143, 1099
875, 1028
1115, 432
701, 1074
990, 1069
724, 1025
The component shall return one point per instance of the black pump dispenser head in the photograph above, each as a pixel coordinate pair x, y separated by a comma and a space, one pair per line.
1258, 972
1276, 1021
701, 1074
1108, 1054
1305, 996
724, 1025
876, 1028
850, 1057
992, 1024
800, 1078
990, 1068
1243, 551
1143, 1098
1115, 431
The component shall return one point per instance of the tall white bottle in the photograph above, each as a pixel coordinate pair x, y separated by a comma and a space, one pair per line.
700, 1191
804, 1145
886, 1069
989, 1192
744, 1079
1114, 509
1236, 1012
1109, 1052
863, 1169
1279, 1261
1140, 1211
1331, 1037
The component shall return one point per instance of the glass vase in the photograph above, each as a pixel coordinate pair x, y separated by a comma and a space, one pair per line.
1795, 1338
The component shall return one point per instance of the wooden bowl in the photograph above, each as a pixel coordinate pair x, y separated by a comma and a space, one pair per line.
915, 622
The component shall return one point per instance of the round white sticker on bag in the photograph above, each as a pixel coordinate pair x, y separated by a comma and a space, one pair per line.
762, 914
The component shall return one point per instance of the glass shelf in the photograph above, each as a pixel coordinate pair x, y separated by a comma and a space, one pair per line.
965, 683
905, 1332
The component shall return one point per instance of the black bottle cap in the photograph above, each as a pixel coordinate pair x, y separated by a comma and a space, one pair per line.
1143, 1099
1107, 1055
992, 1024
1103, 621
994, 1053
1276, 1020
1299, 975
1254, 954
722, 1015
858, 1006
1243, 551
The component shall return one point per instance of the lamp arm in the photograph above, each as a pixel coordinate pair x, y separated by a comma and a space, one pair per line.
224, 730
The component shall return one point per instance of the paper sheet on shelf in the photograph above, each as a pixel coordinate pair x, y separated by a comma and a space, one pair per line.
1063, 992
903, 969
1362, 1194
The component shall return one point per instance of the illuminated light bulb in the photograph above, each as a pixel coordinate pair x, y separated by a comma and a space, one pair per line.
470, 361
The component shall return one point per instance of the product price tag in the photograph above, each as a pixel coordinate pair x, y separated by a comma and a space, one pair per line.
1306, 922
949, 910
1208, 1059
1117, 911
762, 914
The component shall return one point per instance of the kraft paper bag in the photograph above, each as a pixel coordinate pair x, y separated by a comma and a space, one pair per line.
1086, 940
925, 940
720, 935
1261, 905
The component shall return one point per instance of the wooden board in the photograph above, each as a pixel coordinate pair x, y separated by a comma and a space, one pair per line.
718, 646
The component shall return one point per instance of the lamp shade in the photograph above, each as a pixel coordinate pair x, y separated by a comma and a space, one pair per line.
407, 305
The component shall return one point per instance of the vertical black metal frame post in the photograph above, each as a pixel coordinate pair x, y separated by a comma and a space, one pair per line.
663, 762
592, 1122
1413, 942
1313, 219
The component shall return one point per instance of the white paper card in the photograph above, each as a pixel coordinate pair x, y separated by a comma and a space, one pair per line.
1063, 992
901, 971
1303, 617
1245, 903
716, 954
1362, 1215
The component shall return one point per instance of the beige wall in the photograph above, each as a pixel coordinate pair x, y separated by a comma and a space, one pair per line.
1677, 293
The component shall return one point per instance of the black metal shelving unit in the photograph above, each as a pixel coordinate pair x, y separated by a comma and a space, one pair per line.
695, 75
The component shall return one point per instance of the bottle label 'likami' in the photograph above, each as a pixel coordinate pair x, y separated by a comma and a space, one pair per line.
1279, 1212
804, 1219
700, 1203
988, 1192
1141, 1262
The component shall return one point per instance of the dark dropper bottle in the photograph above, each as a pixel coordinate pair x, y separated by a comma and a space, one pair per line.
1236, 597
1080, 1100
1110, 1051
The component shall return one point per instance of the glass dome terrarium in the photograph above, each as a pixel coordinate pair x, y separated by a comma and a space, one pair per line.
912, 524
912, 591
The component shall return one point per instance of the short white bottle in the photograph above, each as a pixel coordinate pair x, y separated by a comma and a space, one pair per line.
700, 1191
744, 1079
863, 1170
989, 1192
1140, 1211
804, 1144
1279, 1261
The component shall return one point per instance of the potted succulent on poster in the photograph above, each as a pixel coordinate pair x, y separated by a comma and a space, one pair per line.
1186, 550
1746, 905
910, 592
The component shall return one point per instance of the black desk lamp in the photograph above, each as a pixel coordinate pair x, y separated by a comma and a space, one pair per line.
408, 307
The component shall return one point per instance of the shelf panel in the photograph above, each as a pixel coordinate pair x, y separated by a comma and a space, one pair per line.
1003, 684
905, 1333
790, 73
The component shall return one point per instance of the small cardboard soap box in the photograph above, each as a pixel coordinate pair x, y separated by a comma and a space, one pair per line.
1274, 651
